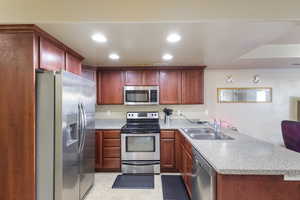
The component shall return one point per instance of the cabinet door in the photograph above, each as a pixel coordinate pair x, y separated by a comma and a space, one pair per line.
73, 64
150, 77
108, 150
52, 57
170, 86
111, 150
192, 87
189, 169
184, 166
167, 154
99, 152
178, 151
111, 84
134, 77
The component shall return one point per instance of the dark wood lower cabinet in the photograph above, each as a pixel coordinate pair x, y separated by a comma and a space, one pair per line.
167, 151
167, 155
111, 164
108, 151
258, 187
176, 156
187, 163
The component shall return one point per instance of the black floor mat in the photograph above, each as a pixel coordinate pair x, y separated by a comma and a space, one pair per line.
173, 188
127, 181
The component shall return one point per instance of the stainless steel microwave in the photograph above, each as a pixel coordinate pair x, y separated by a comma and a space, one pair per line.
141, 95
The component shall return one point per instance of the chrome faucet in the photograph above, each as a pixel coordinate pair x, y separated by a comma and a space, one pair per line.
217, 127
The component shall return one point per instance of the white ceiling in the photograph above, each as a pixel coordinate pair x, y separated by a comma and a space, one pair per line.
214, 44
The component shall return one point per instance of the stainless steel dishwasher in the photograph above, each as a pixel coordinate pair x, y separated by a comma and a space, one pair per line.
203, 179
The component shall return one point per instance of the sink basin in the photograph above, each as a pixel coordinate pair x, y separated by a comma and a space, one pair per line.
210, 137
199, 130
205, 134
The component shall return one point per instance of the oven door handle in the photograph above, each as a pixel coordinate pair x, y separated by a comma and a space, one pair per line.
141, 135
141, 163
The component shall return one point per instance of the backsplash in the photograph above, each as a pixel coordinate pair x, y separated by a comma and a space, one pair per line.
119, 111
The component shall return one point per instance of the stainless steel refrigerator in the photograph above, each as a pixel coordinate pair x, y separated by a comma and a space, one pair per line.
65, 135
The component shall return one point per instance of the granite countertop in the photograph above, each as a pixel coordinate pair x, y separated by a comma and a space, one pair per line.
243, 155
109, 123
118, 123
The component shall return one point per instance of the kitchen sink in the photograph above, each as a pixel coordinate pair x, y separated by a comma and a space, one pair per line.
205, 134
199, 130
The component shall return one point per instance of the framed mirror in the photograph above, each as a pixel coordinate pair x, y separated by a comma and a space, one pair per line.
245, 95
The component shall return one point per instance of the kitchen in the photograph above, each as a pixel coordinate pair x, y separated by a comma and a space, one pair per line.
173, 110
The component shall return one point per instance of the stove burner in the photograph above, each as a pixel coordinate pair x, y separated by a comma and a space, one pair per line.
138, 124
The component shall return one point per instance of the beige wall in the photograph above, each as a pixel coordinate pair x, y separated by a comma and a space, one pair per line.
34, 11
258, 120
119, 111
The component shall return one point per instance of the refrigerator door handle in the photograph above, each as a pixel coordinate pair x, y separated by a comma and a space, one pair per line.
84, 122
80, 126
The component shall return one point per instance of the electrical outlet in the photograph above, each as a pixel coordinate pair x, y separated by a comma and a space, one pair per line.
108, 113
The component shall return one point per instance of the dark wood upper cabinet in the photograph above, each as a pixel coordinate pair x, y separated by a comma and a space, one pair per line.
134, 77
192, 87
151, 77
170, 86
141, 77
73, 64
111, 87
177, 86
52, 57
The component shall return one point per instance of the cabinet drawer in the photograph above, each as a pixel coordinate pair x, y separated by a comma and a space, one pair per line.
111, 152
112, 163
111, 134
167, 134
111, 143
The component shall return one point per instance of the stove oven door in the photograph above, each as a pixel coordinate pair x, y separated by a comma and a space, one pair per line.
140, 147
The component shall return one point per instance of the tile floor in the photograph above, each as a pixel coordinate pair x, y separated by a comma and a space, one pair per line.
102, 190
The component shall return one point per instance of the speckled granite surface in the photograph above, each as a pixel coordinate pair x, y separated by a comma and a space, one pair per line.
109, 123
118, 123
243, 155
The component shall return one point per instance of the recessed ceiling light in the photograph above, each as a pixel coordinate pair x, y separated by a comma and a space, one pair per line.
114, 56
167, 57
98, 37
174, 37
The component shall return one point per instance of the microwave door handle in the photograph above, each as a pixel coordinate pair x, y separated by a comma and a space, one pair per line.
149, 97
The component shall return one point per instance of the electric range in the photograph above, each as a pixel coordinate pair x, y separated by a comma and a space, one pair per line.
140, 143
